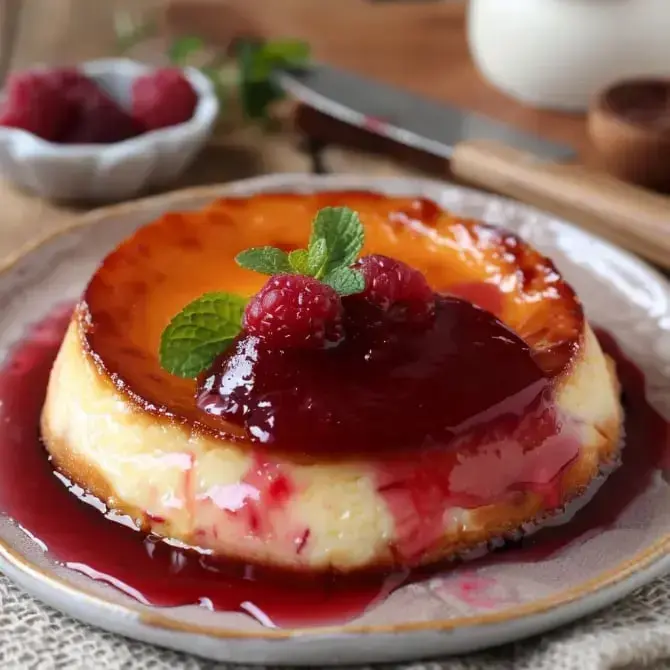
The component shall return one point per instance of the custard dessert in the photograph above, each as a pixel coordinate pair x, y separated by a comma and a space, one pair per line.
340, 381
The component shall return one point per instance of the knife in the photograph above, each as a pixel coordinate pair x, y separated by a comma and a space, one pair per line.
489, 154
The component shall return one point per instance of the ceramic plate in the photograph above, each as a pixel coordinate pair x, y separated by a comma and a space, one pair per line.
468, 608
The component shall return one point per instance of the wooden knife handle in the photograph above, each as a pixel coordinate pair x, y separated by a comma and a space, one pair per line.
627, 215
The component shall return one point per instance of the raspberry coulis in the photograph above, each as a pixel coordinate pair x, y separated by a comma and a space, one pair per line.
385, 387
71, 526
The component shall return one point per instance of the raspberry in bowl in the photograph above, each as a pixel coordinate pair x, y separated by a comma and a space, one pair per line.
331, 382
99, 132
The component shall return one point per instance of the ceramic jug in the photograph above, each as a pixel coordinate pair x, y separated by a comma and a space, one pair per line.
557, 54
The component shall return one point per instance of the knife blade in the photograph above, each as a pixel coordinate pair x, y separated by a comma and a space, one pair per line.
490, 155
410, 119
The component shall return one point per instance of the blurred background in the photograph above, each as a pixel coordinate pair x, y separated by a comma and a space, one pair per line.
572, 82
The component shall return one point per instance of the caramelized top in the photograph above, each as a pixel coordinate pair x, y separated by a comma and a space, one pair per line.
163, 266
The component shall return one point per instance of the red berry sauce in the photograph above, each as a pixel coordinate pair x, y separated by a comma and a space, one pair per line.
406, 388
75, 532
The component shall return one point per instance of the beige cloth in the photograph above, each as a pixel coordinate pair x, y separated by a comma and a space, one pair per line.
632, 635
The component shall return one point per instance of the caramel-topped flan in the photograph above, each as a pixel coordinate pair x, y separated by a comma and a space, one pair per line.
393, 444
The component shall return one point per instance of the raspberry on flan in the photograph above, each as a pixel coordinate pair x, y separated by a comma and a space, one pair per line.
460, 437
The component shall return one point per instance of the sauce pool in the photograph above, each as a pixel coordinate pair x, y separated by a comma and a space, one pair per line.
72, 528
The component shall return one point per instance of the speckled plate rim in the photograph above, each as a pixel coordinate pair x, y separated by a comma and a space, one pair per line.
467, 633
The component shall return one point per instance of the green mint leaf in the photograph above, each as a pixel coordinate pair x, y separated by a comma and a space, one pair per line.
299, 261
289, 50
317, 257
345, 280
266, 260
342, 230
256, 92
256, 98
183, 47
312, 261
204, 329
264, 57
256, 62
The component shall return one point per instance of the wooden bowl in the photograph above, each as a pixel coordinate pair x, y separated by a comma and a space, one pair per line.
629, 125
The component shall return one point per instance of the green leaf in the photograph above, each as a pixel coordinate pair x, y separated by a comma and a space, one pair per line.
256, 94
310, 262
299, 260
317, 257
266, 260
345, 280
289, 51
256, 62
278, 53
183, 47
204, 329
342, 230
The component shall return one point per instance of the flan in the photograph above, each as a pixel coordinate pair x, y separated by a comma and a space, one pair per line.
135, 436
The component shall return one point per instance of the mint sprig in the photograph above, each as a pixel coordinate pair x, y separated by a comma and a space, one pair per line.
311, 261
266, 260
336, 240
256, 62
342, 230
204, 329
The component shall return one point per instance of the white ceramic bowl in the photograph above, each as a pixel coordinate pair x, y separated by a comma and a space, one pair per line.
106, 172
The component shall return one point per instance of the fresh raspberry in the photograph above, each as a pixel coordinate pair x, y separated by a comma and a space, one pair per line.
64, 79
399, 291
32, 104
163, 98
93, 117
295, 311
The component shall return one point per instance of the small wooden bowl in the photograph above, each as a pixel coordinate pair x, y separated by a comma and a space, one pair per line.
629, 125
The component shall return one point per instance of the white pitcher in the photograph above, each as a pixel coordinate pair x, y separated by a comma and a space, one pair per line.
557, 54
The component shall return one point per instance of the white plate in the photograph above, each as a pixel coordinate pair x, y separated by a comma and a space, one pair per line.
431, 618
